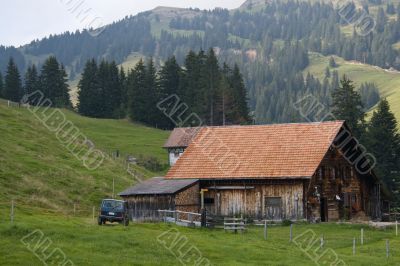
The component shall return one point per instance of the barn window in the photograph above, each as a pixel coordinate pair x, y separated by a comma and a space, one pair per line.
273, 201
208, 200
273, 208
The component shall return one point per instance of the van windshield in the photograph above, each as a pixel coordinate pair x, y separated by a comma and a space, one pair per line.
112, 204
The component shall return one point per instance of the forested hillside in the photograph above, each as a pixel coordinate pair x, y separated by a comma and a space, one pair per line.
271, 41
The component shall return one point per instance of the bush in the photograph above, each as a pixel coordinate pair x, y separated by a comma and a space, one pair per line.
286, 222
150, 163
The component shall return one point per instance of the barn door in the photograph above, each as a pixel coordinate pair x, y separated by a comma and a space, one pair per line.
273, 208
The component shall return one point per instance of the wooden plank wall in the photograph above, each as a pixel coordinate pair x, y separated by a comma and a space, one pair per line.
251, 202
145, 207
336, 176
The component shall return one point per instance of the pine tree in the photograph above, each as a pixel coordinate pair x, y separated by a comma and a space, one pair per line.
1, 85
53, 82
152, 93
88, 91
384, 142
239, 97
31, 81
63, 97
169, 82
136, 85
211, 76
347, 105
112, 91
192, 89
12, 86
124, 93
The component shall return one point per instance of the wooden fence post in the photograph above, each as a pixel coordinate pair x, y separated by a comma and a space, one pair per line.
362, 236
354, 246
12, 211
74, 209
291, 233
265, 230
94, 210
387, 248
396, 229
322, 241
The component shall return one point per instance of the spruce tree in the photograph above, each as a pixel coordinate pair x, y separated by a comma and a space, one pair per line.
239, 92
383, 142
192, 89
212, 77
124, 93
12, 86
63, 97
347, 105
169, 83
88, 91
136, 85
53, 82
111, 90
151, 92
1, 85
31, 81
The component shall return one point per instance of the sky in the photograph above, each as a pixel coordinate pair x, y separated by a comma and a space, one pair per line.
22, 21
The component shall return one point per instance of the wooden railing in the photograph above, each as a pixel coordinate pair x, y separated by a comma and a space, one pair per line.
234, 224
181, 217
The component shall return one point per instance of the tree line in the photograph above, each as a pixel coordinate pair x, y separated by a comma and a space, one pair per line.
51, 81
216, 93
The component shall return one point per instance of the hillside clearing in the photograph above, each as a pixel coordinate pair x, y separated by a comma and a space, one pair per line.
387, 81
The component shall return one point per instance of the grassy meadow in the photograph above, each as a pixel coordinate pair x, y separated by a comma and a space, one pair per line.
85, 243
38, 170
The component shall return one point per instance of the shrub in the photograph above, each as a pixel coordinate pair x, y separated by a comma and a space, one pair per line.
150, 163
286, 222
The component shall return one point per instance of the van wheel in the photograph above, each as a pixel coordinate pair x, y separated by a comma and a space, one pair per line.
100, 221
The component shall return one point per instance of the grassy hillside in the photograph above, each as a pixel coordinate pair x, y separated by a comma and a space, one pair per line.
85, 243
387, 81
36, 169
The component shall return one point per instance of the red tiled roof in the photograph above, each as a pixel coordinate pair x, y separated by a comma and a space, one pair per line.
266, 151
181, 137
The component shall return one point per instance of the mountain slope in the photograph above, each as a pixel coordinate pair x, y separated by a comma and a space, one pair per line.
37, 170
388, 81
257, 36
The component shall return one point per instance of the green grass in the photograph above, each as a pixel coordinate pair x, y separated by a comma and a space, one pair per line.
85, 243
36, 169
387, 81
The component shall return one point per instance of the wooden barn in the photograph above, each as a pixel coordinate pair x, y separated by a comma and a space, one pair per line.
312, 171
145, 199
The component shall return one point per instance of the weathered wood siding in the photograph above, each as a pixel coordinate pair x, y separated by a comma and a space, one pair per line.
337, 182
253, 200
145, 207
